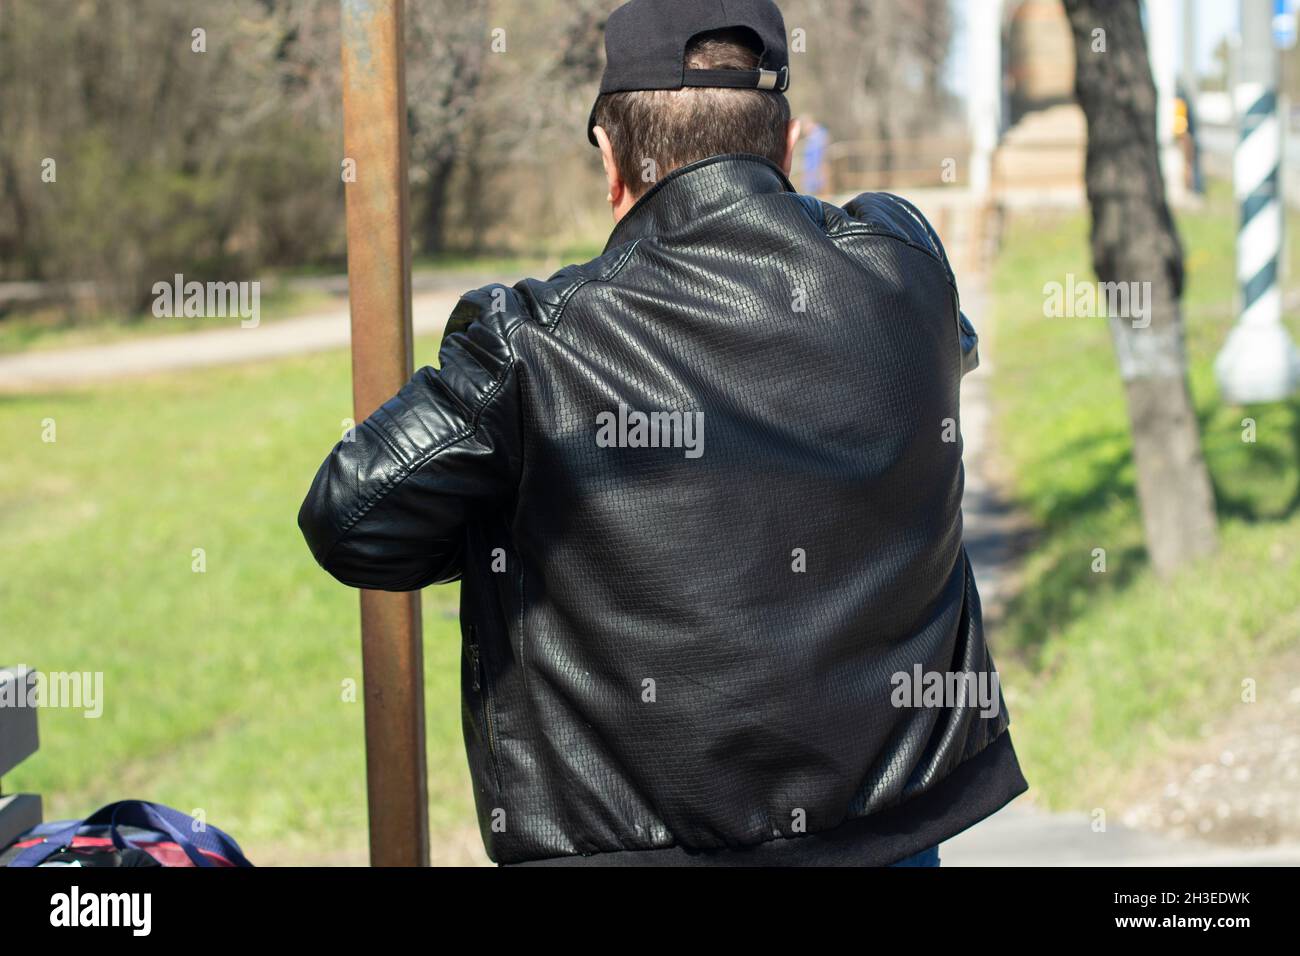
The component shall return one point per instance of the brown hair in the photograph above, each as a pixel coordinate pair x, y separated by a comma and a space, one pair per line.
653, 132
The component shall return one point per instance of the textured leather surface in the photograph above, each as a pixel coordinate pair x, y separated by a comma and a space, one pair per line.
644, 666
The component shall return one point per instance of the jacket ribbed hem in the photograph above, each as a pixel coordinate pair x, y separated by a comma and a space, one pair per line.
976, 789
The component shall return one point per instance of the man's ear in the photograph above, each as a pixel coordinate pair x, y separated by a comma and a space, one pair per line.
792, 133
619, 196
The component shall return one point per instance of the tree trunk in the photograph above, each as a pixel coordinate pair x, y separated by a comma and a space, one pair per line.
433, 217
1134, 241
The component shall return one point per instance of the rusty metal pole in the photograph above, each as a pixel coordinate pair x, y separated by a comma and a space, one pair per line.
379, 287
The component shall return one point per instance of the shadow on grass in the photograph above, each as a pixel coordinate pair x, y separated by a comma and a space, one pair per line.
1061, 577
1267, 467
1253, 483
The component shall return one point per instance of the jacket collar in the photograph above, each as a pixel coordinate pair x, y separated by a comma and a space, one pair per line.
691, 193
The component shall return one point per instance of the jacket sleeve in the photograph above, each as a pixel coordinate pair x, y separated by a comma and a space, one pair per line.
901, 216
388, 509
970, 344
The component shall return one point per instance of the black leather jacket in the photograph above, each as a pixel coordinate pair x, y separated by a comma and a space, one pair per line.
684, 630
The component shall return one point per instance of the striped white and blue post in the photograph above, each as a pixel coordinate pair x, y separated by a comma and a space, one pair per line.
1258, 363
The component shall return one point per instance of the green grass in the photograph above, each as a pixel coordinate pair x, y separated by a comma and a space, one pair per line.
559, 254
1106, 669
223, 690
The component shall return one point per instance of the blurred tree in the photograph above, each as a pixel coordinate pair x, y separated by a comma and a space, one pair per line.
447, 43
203, 136
1134, 241
183, 136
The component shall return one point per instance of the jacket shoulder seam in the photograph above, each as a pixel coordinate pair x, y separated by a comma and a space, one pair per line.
608, 276
911, 243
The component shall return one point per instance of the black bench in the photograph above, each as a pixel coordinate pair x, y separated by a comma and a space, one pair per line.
19, 812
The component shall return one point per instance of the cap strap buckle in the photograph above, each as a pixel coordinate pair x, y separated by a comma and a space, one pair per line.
778, 80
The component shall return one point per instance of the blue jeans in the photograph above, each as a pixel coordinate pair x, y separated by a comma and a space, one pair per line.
928, 857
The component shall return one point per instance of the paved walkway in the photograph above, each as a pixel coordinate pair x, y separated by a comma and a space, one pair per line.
993, 532
1022, 836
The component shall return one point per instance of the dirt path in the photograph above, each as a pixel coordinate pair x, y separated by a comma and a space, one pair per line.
54, 369
1238, 787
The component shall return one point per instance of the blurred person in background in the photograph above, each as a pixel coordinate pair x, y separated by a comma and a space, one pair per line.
815, 141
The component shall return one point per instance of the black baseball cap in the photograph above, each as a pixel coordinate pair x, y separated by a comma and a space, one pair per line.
645, 46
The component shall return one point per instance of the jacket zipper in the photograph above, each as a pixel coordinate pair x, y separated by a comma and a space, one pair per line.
488, 712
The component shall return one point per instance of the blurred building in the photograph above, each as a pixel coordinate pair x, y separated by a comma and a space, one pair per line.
1041, 156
